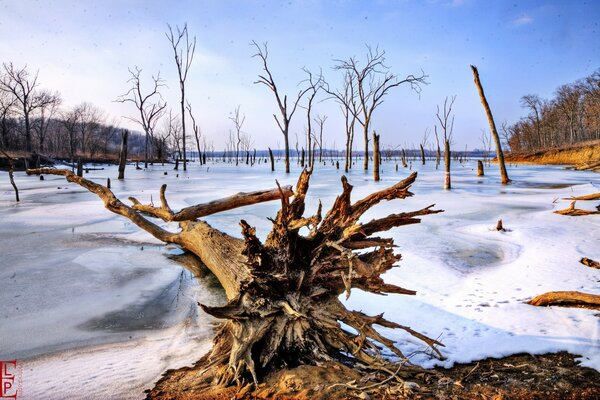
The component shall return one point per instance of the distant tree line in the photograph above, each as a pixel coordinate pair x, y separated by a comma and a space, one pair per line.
34, 119
572, 116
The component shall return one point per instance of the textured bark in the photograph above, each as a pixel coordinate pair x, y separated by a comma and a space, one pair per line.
594, 196
566, 298
588, 262
272, 160
575, 212
375, 157
123, 154
480, 168
283, 306
488, 112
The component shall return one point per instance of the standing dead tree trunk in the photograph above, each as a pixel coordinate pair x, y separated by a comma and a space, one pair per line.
283, 305
376, 158
272, 160
123, 153
11, 168
447, 128
488, 112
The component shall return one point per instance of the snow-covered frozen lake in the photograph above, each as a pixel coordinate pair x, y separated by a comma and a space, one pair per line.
90, 302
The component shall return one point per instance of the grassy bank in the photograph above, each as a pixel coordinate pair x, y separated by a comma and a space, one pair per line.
580, 155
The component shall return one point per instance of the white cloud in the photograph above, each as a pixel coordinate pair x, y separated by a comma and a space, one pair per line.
521, 20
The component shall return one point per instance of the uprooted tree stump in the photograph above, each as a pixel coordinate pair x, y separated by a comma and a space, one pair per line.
283, 306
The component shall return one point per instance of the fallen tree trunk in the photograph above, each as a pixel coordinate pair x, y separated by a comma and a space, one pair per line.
566, 298
283, 306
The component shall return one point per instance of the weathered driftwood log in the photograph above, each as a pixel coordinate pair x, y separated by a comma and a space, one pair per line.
575, 212
588, 262
594, 196
283, 304
566, 298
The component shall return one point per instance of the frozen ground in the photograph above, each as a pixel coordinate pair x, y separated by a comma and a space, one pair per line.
90, 304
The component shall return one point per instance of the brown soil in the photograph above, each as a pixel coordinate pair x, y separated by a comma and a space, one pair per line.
522, 376
579, 154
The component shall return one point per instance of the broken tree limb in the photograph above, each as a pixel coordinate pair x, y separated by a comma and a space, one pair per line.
594, 196
202, 210
588, 262
566, 298
575, 212
283, 306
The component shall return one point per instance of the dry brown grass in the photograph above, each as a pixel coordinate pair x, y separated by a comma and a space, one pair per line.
581, 153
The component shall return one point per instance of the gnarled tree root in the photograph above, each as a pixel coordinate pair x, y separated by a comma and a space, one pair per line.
283, 307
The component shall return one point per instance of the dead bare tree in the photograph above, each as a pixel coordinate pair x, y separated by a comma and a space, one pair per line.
7, 103
315, 84
123, 153
447, 128
197, 132
23, 87
320, 121
47, 110
346, 97
283, 306
183, 50
238, 123
150, 105
423, 144
372, 82
283, 121
495, 136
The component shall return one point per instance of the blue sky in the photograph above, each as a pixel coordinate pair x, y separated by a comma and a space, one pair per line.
83, 49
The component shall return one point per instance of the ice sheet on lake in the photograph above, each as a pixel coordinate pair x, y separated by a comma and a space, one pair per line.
90, 300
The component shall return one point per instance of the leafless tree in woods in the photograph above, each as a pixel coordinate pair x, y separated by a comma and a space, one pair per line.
197, 133
283, 307
320, 121
7, 103
238, 122
283, 121
70, 121
499, 153
23, 87
172, 127
47, 110
447, 126
90, 117
534, 103
183, 50
150, 105
371, 83
486, 142
346, 98
315, 84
